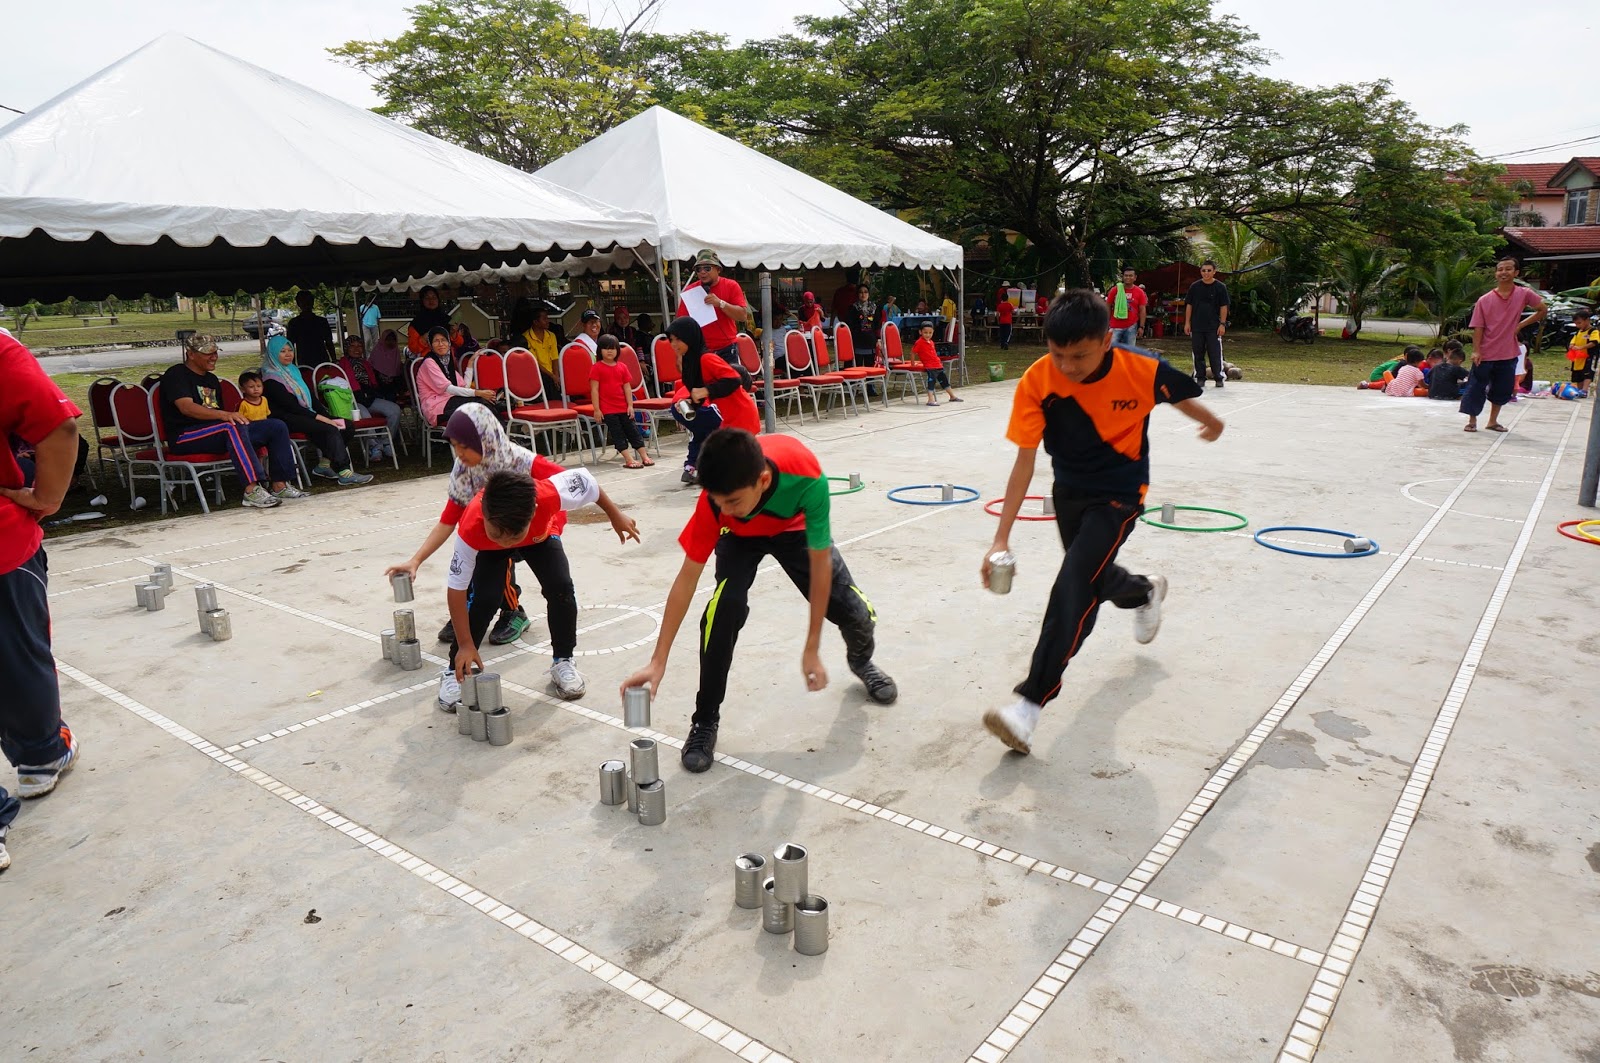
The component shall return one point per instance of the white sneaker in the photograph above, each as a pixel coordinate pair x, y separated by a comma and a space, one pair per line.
1147, 618
259, 497
569, 684
5, 857
449, 691
291, 493
1014, 724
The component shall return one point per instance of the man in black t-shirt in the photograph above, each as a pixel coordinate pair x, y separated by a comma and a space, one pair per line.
195, 422
310, 333
1205, 321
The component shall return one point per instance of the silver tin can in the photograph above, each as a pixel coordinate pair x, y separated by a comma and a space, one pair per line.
498, 726
387, 639
163, 573
1049, 505
221, 626
642, 762
636, 707
789, 872
749, 870
464, 718
947, 492
402, 587
653, 804
1002, 570
1356, 546
488, 691
469, 690
776, 916
405, 625
205, 622
1169, 513
479, 724
855, 480
407, 653
686, 409
152, 596
205, 597
811, 926
632, 789
613, 782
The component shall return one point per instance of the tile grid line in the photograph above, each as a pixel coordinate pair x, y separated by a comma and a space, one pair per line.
611, 974
1046, 989
1304, 1038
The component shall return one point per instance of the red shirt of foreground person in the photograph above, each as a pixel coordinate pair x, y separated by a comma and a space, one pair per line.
31, 407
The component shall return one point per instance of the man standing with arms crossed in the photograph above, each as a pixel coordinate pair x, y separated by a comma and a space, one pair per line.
1496, 321
34, 739
1205, 321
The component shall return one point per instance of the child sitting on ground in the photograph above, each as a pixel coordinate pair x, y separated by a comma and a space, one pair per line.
254, 402
1383, 374
611, 392
926, 353
1446, 380
1408, 377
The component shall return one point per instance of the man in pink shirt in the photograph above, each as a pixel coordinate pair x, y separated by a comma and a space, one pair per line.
1496, 321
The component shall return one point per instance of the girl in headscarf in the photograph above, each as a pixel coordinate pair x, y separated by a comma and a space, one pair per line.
429, 317
810, 312
373, 392
440, 390
482, 448
718, 388
387, 359
293, 402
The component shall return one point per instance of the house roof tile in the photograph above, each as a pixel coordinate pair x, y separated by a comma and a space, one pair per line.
1558, 239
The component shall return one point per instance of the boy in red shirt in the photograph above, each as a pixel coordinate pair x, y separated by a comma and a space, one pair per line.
928, 355
761, 496
1003, 312
35, 740
611, 393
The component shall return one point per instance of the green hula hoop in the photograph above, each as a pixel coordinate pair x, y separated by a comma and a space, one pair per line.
1243, 521
844, 480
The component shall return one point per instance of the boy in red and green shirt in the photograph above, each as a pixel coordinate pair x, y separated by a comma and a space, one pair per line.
760, 496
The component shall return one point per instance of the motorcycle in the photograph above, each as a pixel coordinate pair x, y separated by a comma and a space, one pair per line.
1296, 327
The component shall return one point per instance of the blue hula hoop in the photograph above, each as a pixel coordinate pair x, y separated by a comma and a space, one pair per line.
971, 495
1368, 552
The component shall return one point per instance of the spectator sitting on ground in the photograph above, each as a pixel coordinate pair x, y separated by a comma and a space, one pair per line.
373, 393
1446, 379
292, 401
1408, 378
196, 423
1383, 372
309, 332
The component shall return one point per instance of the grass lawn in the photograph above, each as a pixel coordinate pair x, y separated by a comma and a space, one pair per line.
42, 334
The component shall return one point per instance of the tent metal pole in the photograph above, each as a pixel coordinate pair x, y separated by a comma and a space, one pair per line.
661, 287
1589, 486
961, 316
677, 286
766, 352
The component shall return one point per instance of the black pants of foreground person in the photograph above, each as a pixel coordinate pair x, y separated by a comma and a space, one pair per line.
1092, 530
548, 560
30, 710
737, 559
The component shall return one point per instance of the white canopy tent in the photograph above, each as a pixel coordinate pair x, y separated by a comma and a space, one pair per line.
106, 189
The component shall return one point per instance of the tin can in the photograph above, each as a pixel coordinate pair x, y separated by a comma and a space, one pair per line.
947, 492
464, 718
151, 596
613, 782
497, 725
776, 916
387, 639
407, 653
748, 871
1356, 546
642, 762
205, 622
811, 925
632, 789
855, 480
401, 582
479, 724
1002, 570
653, 804
163, 573
636, 707
221, 626
789, 872
1049, 505
205, 597
686, 409
1169, 513
487, 687
405, 625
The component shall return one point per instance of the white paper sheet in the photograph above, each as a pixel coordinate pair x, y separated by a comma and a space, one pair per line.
694, 300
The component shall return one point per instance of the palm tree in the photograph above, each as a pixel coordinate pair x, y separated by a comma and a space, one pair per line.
1449, 286
1236, 247
1358, 273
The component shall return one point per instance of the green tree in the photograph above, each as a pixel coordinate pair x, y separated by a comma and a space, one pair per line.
1358, 274
1449, 284
521, 81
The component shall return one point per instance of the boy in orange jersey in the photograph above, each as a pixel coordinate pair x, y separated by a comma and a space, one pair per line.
1089, 403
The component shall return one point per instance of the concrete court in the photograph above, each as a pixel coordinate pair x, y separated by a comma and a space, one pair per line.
1358, 787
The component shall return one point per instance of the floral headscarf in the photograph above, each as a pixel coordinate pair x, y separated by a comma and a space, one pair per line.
499, 454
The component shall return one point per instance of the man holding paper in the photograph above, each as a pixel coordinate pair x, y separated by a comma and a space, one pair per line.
717, 305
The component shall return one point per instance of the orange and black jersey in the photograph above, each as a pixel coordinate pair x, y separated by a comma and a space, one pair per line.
1097, 432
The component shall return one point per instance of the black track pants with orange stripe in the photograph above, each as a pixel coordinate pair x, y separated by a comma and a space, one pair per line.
1092, 530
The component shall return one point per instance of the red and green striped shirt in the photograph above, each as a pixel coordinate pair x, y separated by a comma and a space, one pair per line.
796, 501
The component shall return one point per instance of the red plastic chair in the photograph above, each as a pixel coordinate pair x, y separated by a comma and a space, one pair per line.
856, 376
530, 411
668, 372
801, 364
657, 409
105, 431
910, 374
180, 470
783, 389
574, 365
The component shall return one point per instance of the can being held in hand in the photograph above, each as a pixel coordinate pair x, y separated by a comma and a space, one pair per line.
1002, 567
401, 582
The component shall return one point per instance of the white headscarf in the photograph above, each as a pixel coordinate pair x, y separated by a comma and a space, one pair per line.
499, 454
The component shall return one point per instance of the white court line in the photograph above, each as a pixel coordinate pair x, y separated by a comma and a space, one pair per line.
612, 974
1406, 491
1048, 986
1305, 1035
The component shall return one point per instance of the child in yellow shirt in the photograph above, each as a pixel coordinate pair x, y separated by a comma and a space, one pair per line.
254, 404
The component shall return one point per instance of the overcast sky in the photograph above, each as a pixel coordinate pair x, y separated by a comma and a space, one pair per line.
1506, 70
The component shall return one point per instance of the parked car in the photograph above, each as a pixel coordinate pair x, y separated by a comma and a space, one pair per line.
272, 319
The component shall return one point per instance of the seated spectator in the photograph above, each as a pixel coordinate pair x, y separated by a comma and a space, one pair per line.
543, 344
429, 317
1446, 380
1408, 378
589, 332
196, 423
388, 360
373, 393
440, 390
1383, 373
292, 401
623, 329
252, 396
309, 332
462, 343
647, 330
810, 311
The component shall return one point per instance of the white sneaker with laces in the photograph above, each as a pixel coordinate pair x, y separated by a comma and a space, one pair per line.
449, 691
568, 682
1014, 724
1147, 618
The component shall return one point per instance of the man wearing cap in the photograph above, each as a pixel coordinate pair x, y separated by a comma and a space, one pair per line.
196, 423
589, 332
725, 297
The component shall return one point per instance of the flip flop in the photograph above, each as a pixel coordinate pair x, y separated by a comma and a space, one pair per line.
631, 465
1470, 428
1496, 428
647, 462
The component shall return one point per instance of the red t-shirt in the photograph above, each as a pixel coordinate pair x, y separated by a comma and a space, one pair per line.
927, 354
738, 410
31, 407
1136, 300
724, 331
552, 498
615, 383
1003, 312
797, 501
543, 469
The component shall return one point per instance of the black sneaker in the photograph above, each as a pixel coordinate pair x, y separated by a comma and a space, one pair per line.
448, 632
880, 687
1219, 382
510, 628
689, 475
698, 750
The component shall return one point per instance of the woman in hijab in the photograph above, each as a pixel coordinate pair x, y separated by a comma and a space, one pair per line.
482, 448
440, 391
373, 392
429, 317
388, 360
862, 319
293, 402
718, 389
810, 312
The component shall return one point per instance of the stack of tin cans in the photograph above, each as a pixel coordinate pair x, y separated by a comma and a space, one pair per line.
482, 714
214, 621
636, 783
152, 593
783, 895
